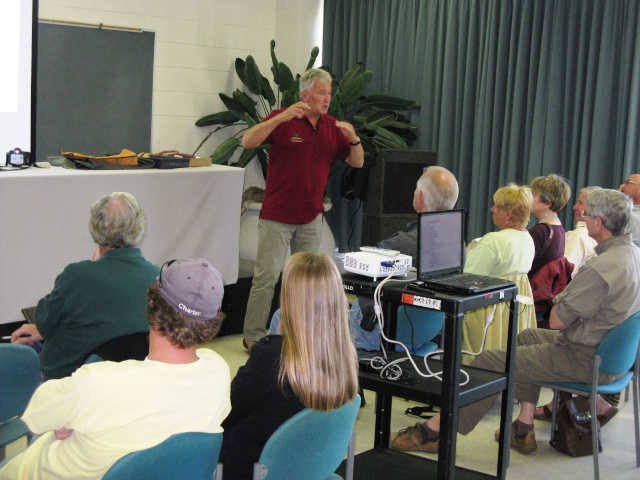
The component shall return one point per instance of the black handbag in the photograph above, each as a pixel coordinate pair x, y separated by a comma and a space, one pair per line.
573, 431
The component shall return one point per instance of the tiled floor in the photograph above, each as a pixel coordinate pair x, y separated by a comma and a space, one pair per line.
479, 450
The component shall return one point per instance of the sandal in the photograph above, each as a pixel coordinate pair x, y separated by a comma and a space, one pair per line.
545, 415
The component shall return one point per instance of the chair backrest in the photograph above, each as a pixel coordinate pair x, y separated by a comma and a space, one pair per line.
417, 326
128, 347
93, 358
192, 455
619, 347
19, 378
309, 445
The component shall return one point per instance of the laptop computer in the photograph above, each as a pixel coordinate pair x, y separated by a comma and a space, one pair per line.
441, 255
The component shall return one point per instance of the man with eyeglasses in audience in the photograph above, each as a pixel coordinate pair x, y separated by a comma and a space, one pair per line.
631, 188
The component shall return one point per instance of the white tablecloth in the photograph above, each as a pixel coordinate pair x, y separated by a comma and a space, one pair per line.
44, 215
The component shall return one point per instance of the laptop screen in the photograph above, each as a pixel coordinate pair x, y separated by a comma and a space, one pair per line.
440, 243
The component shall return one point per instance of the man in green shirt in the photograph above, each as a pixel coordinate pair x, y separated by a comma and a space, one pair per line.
94, 301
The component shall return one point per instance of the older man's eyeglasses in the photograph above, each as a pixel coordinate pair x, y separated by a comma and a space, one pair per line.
628, 181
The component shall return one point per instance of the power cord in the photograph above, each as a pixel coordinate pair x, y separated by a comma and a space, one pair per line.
390, 369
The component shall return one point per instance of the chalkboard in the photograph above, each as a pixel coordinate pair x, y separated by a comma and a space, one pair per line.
94, 90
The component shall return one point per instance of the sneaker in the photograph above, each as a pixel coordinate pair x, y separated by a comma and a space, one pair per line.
523, 443
410, 439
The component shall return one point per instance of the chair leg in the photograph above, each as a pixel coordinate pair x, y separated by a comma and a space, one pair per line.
595, 444
217, 475
636, 416
350, 455
626, 392
554, 417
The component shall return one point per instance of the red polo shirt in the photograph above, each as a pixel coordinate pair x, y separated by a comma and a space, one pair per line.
300, 158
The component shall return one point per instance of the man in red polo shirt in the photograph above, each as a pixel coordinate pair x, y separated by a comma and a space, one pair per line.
304, 141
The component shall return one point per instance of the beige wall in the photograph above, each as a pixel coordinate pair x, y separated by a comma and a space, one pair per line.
197, 42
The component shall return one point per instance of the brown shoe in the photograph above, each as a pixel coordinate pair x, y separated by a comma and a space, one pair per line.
605, 417
410, 439
247, 344
522, 443
543, 413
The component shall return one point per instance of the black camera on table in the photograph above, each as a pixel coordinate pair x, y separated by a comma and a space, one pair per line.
17, 158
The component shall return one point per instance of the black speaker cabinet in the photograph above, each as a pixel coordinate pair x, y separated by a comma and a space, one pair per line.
392, 181
376, 228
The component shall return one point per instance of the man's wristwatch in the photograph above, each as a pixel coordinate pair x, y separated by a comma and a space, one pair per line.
355, 144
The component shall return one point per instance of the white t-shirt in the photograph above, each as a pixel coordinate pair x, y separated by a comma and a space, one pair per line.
501, 253
579, 246
117, 408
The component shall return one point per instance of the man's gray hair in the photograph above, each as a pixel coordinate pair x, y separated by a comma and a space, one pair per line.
590, 189
439, 189
613, 207
116, 221
312, 75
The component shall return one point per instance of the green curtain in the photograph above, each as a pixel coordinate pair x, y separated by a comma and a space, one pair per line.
509, 89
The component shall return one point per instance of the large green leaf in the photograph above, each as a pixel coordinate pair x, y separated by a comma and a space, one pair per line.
250, 120
354, 89
225, 151
267, 92
274, 62
407, 135
240, 66
247, 102
352, 73
285, 76
335, 107
369, 147
384, 136
390, 103
254, 77
220, 118
294, 88
245, 157
233, 106
403, 125
382, 118
287, 99
312, 59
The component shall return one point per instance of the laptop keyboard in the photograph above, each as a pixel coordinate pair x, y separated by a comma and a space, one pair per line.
459, 279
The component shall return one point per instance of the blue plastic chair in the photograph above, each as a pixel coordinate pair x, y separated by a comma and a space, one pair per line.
192, 455
310, 445
416, 328
618, 353
19, 378
93, 358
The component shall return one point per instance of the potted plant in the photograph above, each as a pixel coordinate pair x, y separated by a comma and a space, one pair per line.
376, 118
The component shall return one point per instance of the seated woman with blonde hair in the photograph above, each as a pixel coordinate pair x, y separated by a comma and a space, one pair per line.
507, 253
311, 364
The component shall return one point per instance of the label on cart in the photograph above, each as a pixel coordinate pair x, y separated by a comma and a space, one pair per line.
421, 301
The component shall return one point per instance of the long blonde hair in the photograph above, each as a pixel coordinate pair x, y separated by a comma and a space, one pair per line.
318, 357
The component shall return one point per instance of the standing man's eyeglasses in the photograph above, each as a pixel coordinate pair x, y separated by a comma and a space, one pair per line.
631, 182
